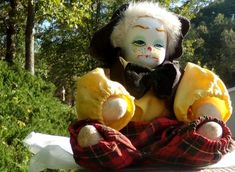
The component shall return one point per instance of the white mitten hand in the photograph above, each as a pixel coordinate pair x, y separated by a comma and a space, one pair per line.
211, 130
88, 136
113, 109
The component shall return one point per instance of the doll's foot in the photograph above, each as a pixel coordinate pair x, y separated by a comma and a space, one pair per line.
88, 136
211, 130
113, 109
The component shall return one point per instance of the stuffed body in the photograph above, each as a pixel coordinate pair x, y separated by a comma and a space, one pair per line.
142, 107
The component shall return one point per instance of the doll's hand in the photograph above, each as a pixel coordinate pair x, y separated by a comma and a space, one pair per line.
211, 130
88, 136
113, 109
207, 109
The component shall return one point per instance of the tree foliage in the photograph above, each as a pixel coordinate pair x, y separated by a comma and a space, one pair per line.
214, 31
27, 104
11, 22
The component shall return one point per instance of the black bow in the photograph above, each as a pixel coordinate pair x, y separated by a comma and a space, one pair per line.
163, 79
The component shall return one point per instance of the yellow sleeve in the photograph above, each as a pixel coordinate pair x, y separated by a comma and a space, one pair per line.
198, 86
93, 89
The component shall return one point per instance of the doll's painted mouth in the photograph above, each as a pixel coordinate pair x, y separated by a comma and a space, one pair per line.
148, 57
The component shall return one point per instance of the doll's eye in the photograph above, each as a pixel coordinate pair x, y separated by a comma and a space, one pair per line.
158, 45
139, 43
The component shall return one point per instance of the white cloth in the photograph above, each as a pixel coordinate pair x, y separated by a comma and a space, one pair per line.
52, 152
226, 161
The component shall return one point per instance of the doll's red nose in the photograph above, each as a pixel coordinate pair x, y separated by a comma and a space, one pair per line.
149, 48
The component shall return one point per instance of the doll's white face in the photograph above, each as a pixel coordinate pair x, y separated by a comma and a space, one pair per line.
146, 42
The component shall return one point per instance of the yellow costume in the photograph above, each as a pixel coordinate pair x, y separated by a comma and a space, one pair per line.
198, 86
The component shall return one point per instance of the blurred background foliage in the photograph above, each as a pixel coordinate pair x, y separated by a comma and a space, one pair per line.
60, 34
27, 104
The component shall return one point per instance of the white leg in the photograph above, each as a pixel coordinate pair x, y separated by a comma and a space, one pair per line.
88, 136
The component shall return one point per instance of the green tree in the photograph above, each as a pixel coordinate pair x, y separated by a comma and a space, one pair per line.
9, 25
63, 40
11, 31
215, 26
227, 65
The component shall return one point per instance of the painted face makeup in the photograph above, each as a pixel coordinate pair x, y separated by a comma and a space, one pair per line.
146, 42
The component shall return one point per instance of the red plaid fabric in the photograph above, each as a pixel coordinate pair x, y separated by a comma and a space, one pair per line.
163, 140
184, 146
115, 151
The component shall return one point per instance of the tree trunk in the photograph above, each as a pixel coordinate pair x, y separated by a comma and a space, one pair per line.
29, 38
11, 32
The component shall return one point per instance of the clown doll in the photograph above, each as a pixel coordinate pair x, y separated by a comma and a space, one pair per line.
143, 107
